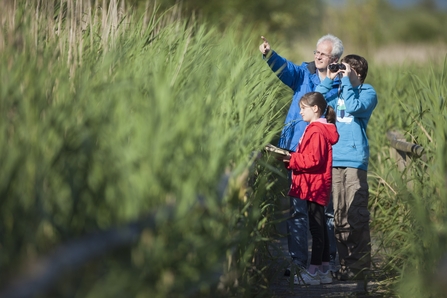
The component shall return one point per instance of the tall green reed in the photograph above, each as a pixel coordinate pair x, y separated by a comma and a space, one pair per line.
409, 207
110, 113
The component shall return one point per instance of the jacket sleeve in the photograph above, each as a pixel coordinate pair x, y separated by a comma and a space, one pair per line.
359, 102
313, 157
324, 87
289, 73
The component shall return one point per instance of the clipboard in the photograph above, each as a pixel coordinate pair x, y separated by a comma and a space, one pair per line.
276, 151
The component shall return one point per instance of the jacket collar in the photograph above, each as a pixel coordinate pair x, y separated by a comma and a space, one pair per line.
311, 67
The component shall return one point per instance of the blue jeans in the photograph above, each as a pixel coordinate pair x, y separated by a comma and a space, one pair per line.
297, 231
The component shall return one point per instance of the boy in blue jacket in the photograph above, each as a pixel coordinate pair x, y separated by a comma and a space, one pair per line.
301, 79
354, 105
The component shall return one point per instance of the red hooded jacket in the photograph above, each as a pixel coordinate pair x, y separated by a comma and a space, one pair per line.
311, 164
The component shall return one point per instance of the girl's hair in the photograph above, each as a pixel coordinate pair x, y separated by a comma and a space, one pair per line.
317, 99
359, 64
337, 44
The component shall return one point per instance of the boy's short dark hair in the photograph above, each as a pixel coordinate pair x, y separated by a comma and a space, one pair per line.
359, 64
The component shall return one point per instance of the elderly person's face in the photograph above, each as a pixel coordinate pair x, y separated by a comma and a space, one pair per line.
322, 55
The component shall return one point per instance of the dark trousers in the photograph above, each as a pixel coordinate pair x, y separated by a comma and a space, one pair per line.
319, 232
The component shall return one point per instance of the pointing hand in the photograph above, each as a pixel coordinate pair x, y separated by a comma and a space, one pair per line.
265, 46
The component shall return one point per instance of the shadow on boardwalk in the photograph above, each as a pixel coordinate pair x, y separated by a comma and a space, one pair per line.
281, 286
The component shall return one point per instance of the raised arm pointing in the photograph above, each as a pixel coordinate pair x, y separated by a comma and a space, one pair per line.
265, 46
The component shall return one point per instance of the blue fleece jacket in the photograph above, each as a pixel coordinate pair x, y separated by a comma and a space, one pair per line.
354, 107
301, 79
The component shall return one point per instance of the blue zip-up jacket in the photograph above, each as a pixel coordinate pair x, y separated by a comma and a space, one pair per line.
301, 79
354, 107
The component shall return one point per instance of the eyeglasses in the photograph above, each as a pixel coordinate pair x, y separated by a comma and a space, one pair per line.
317, 53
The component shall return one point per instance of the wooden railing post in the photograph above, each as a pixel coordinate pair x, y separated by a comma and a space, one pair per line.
402, 151
398, 155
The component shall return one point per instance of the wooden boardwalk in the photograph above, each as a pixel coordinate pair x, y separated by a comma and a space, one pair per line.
282, 287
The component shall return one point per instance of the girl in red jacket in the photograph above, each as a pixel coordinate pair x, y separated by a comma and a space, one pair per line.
311, 166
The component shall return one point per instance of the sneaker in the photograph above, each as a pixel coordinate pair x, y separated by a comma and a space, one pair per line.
307, 278
349, 274
325, 277
333, 268
294, 266
332, 264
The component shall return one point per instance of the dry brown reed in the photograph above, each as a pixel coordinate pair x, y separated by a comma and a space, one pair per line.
72, 27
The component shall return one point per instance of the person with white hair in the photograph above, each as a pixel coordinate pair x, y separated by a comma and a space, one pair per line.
301, 79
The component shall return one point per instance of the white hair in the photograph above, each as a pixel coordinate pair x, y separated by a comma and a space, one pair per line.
337, 45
